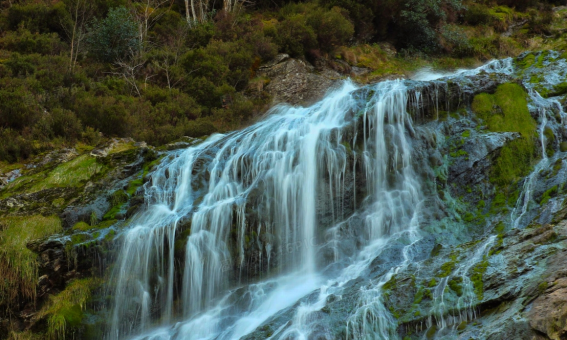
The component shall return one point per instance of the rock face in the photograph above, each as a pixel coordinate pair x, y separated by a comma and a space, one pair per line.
295, 81
549, 311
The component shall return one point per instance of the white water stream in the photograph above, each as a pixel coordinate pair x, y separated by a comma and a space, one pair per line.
286, 169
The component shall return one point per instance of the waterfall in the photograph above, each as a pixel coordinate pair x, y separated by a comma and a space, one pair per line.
234, 226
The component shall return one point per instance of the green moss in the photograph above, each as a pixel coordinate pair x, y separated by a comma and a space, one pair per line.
79, 238
389, 285
459, 153
110, 236
536, 78
563, 147
542, 287
476, 278
456, 285
435, 251
499, 229
481, 204
552, 192
466, 134
134, 185
430, 334
71, 174
432, 283
468, 217
557, 167
106, 224
118, 199
82, 226
498, 203
507, 111
550, 138
541, 59
418, 296
526, 61
446, 269
558, 90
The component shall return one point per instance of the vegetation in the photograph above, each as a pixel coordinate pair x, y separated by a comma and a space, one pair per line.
476, 278
73, 69
65, 311
18, 264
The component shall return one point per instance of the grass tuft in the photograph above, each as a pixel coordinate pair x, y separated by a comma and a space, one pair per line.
18, 264
65, 310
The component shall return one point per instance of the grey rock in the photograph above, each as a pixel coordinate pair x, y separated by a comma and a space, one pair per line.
295, 81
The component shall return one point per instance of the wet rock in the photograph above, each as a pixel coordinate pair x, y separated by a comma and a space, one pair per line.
480, 151
90, 213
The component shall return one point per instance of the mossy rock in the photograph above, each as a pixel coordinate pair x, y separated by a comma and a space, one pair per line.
507, 111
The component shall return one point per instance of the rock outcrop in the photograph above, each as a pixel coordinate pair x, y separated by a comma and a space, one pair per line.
295, 81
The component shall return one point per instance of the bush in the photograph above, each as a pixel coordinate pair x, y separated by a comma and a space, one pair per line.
200, 128
332, 27
60, 123
115, 37
17, 107
38, 17
294, 36
14, 146
66, 124
23, 41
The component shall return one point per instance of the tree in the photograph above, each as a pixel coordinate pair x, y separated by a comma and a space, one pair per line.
196, 11
114, 38
81, 12
147, 14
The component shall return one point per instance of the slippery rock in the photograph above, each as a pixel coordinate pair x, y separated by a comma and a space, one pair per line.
480, 151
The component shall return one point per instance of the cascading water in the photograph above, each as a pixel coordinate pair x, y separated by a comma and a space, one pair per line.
280, 187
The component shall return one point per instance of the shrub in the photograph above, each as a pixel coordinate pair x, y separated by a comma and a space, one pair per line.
14, 146
200, 128
17, 109
294, 36
23, 41
38, 17
91, 136
332, 27
115, 37
66, 124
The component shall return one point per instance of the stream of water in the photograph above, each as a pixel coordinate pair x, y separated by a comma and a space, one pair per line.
265, 192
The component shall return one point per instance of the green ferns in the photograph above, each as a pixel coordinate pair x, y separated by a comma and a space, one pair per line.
507, 111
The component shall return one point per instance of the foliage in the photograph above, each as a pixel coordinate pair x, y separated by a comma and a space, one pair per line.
115, 37
198, 80
64, 311
18, 264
